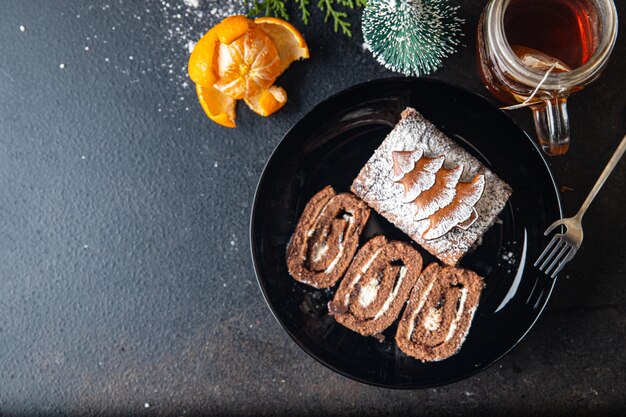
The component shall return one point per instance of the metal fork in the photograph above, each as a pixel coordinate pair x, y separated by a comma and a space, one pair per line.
564, 246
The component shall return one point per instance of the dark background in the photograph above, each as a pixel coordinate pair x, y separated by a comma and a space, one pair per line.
126, 285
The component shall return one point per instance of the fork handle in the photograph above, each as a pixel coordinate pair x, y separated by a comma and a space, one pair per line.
605, 174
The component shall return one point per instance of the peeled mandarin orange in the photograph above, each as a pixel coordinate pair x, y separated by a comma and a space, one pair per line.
247, 65
240, 59
289, 42
267, 101
218, 106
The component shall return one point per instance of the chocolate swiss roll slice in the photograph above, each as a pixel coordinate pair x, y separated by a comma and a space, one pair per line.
376, 286
326, 238
439, 313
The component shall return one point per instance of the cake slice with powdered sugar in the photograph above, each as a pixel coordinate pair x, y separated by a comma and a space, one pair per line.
431, 188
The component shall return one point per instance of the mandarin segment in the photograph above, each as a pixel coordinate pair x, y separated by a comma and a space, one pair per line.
267, 101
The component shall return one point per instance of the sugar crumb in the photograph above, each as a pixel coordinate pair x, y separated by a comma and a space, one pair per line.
190, 46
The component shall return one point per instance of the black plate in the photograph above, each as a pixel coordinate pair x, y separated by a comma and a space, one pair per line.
329, 146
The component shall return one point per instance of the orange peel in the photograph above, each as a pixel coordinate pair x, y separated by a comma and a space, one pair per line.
289, 42
218, 106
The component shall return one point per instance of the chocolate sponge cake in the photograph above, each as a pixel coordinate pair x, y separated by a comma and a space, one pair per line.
326, 238
431, 188
439, 313
376, 286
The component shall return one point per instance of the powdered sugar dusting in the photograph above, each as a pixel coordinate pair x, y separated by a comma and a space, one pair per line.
458, 211
166, 32
192, 3
509, 258
190, 45
419, 177
403, 162
435, 192
375, 186
185, 23
440, 195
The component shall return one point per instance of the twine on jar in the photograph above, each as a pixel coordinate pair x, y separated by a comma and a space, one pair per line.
528, 102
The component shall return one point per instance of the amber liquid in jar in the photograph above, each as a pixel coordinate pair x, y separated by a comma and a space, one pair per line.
544, 31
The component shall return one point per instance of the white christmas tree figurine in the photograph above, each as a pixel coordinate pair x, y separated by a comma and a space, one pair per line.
411, 36
436, 192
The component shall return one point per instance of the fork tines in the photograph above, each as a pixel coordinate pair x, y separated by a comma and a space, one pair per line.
554, 257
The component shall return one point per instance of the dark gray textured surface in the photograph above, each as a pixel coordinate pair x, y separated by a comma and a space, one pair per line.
125, 276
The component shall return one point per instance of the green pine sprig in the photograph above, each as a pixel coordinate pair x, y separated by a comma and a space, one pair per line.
303, 5
337, 15
269, 8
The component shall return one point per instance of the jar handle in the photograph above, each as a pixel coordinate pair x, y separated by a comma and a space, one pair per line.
552, 125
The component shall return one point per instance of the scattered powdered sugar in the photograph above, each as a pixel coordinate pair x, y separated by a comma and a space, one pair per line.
163, 33
509, 258
190, 46
185, 22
